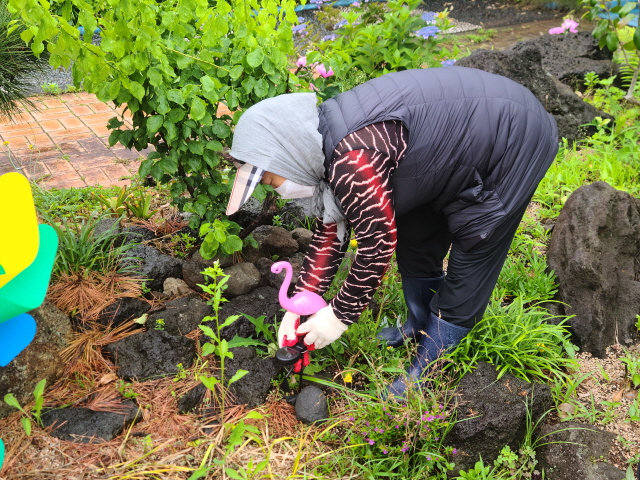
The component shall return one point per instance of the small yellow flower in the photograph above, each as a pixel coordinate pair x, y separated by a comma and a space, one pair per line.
348, 378
6, 143
353, 243
31, 146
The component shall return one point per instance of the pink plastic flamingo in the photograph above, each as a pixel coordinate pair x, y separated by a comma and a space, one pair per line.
302, 303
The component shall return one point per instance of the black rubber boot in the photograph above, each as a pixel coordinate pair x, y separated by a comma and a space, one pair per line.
418, 293
441, 337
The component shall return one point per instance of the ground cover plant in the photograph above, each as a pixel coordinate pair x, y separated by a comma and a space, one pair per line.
366, 436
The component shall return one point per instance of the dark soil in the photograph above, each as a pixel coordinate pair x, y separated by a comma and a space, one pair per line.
491, 13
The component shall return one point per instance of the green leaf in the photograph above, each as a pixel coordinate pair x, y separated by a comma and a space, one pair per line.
244, 342
200, 473
208, 331
198, 108
214, 145
39, 390
176, 96
636, 37
254, 59
172, 131
154, 122
236, 72
114, 136
229, 321
12, 401
209, 248
207, 83
114, 123
262, 88
114, 89
626, 8
612, 41
26, 424
136, 90
208, 349
220, 129
254, 415
211, 158
238, 375
155, 77
248, 83
232, 244
231, 473
196, 147
209, 382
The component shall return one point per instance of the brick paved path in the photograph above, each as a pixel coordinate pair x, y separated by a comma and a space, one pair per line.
64, 144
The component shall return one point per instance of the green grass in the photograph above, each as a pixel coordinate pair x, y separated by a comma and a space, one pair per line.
80, 250
69, 203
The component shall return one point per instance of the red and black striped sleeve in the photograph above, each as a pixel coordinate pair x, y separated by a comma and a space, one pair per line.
360, 177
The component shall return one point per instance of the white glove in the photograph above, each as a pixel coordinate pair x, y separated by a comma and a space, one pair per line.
287, 331
322, 328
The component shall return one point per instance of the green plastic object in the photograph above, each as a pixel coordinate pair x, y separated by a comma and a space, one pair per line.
27, 290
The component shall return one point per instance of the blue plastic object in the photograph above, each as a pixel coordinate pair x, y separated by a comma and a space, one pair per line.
1, 453
15, 335
613, 16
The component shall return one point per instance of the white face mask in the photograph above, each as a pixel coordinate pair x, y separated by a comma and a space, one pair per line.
291, 190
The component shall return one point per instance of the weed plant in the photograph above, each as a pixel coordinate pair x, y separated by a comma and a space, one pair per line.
34, 415
390, 439
526, 342
607, 158
610, 155
80, 250
217, 344
525, 277
69, 203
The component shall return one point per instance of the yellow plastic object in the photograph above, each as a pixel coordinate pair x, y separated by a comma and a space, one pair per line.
19, 238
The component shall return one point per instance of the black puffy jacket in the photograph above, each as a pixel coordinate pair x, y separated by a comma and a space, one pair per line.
478, 143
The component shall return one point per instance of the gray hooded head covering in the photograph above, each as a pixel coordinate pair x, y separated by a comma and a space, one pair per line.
280, 135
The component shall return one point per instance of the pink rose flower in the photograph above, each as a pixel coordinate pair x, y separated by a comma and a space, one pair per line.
322, 71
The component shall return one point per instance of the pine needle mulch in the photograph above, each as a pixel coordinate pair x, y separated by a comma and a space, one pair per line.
88, 293
165, 444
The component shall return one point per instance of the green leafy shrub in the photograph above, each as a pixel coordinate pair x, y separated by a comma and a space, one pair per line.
17, 63
370, 42
171, 63
222, 235
615, 33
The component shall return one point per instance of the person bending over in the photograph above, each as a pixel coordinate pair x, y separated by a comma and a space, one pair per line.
420, 162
